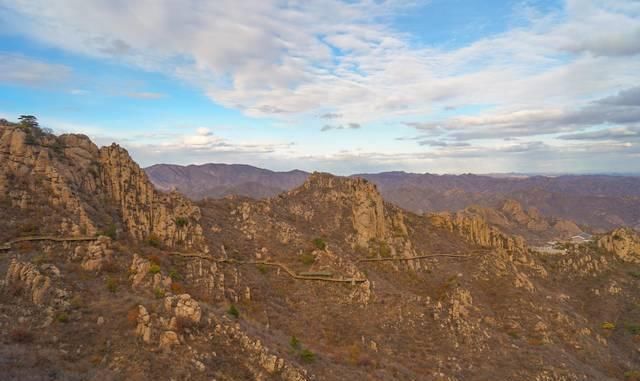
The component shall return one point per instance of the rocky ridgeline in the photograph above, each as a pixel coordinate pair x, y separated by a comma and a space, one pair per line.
89, 184
531, 219
476, 230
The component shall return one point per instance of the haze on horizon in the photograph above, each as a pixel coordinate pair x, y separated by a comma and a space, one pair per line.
435, 86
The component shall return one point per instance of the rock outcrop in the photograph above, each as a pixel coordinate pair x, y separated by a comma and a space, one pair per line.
96, 254
145, 212
143, 327
38, 287
476, 230
93, 186
358, 196
184, 308
624, 243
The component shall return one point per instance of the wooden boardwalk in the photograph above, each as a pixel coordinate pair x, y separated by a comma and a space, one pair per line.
318, 277
291, 273
284, 267
7, 245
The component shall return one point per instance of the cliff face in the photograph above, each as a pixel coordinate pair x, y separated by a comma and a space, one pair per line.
625, 243
358, 197
171, 217
74, 188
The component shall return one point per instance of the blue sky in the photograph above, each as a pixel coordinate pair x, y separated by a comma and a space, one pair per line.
424, 86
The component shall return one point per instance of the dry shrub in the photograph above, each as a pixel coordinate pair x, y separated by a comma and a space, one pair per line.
177, 288
198, 293
28, 228
155, 259
24, 247
21, 335
184, 324
15, 289
110, 267
132, 316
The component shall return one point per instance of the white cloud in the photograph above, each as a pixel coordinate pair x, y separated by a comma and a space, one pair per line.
145, 95
17, 69
272, 58
203, 131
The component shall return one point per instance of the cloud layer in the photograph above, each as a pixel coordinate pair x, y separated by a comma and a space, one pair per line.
555, 84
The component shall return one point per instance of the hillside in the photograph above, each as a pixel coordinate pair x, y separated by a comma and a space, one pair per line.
326, 281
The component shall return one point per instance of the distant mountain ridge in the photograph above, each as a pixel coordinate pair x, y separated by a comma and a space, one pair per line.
600, 201
220, 180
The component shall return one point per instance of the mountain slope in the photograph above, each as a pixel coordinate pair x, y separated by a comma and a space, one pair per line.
324, 282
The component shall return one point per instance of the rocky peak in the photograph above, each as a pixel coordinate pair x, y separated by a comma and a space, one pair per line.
360, 195
95, 186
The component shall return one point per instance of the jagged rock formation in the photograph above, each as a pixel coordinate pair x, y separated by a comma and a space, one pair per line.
184, 308
367, 209
625, 243
512, 218
145, 212
95, 187
39, 287
475, 229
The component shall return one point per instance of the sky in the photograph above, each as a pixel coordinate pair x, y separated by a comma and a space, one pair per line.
440, 86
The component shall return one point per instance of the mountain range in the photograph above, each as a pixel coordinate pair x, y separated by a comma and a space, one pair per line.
600, 202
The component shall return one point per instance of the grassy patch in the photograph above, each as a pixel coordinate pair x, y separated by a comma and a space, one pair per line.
62, 317
159, 293
154, 269
307, 258
174, 274
632, 375
153, 240
110, 232
307, 356
262, 268
112, 284
319, 243
233, 311
634, 329
181, 222
608, 325
295, 343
